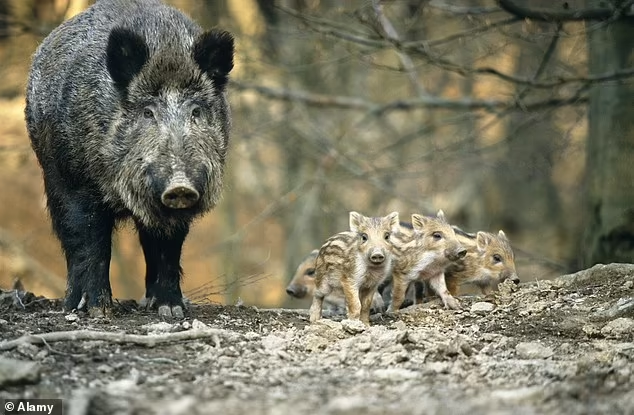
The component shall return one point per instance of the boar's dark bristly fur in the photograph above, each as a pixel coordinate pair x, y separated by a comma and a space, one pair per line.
128, 116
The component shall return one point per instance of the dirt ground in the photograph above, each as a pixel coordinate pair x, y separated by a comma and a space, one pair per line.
563, 346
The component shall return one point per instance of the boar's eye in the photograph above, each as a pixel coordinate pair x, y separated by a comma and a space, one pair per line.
310, 272
497, 258
437, 235
148, 113
364, 237
387, 236
196, 112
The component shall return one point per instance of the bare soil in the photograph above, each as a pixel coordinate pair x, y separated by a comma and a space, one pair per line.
563, 346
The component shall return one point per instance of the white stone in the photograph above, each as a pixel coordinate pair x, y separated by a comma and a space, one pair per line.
533, 350
482, 307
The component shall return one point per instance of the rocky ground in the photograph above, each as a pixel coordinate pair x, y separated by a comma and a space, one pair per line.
563, 346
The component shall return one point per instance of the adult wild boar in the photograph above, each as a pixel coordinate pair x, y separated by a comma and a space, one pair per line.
127, 113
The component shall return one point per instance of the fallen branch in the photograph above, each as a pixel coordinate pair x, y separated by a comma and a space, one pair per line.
119, 338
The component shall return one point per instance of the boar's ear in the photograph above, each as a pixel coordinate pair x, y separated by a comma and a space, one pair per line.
441, 215
393, 221
502, 235
355, 221
213, 52
126, 54
313, 255
482, 240
419, 222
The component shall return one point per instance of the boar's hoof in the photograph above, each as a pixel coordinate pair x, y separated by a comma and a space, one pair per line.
146, 303
180, 197
452, 303
100, 312
171, 312
378, 309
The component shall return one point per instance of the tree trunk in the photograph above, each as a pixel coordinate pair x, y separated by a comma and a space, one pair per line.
610, 148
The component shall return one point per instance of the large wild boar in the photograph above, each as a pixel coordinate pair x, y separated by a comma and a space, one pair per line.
127, 113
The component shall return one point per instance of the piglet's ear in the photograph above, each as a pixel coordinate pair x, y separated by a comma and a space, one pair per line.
419, 222
126, 54
482, 241
393, 221
355, 219
213, 52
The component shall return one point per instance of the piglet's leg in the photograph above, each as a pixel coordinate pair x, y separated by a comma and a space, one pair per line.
367, 296
316, 307
398, 294
353, 303
437, 283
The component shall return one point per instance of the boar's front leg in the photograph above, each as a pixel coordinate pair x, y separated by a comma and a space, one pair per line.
353, 302
84, 228
163, 271
366, 297
399, 288
316, 307
437, 283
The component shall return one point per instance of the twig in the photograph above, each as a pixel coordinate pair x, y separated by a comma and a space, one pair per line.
544, 62
392, 36
50, 349
421, 49
565, 15
437, 4
301, 311
14, 246
273, 207
119, 338
201, 293
155, 360
469, 32
337, 101
544, 84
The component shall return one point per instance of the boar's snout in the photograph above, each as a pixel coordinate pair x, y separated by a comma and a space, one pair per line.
509, 275
456, 254
180, 197
296, 291
377, 257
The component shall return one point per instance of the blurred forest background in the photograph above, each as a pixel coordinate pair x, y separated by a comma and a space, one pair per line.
514, 115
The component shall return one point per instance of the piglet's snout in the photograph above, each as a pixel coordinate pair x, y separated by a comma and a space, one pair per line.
377, 257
